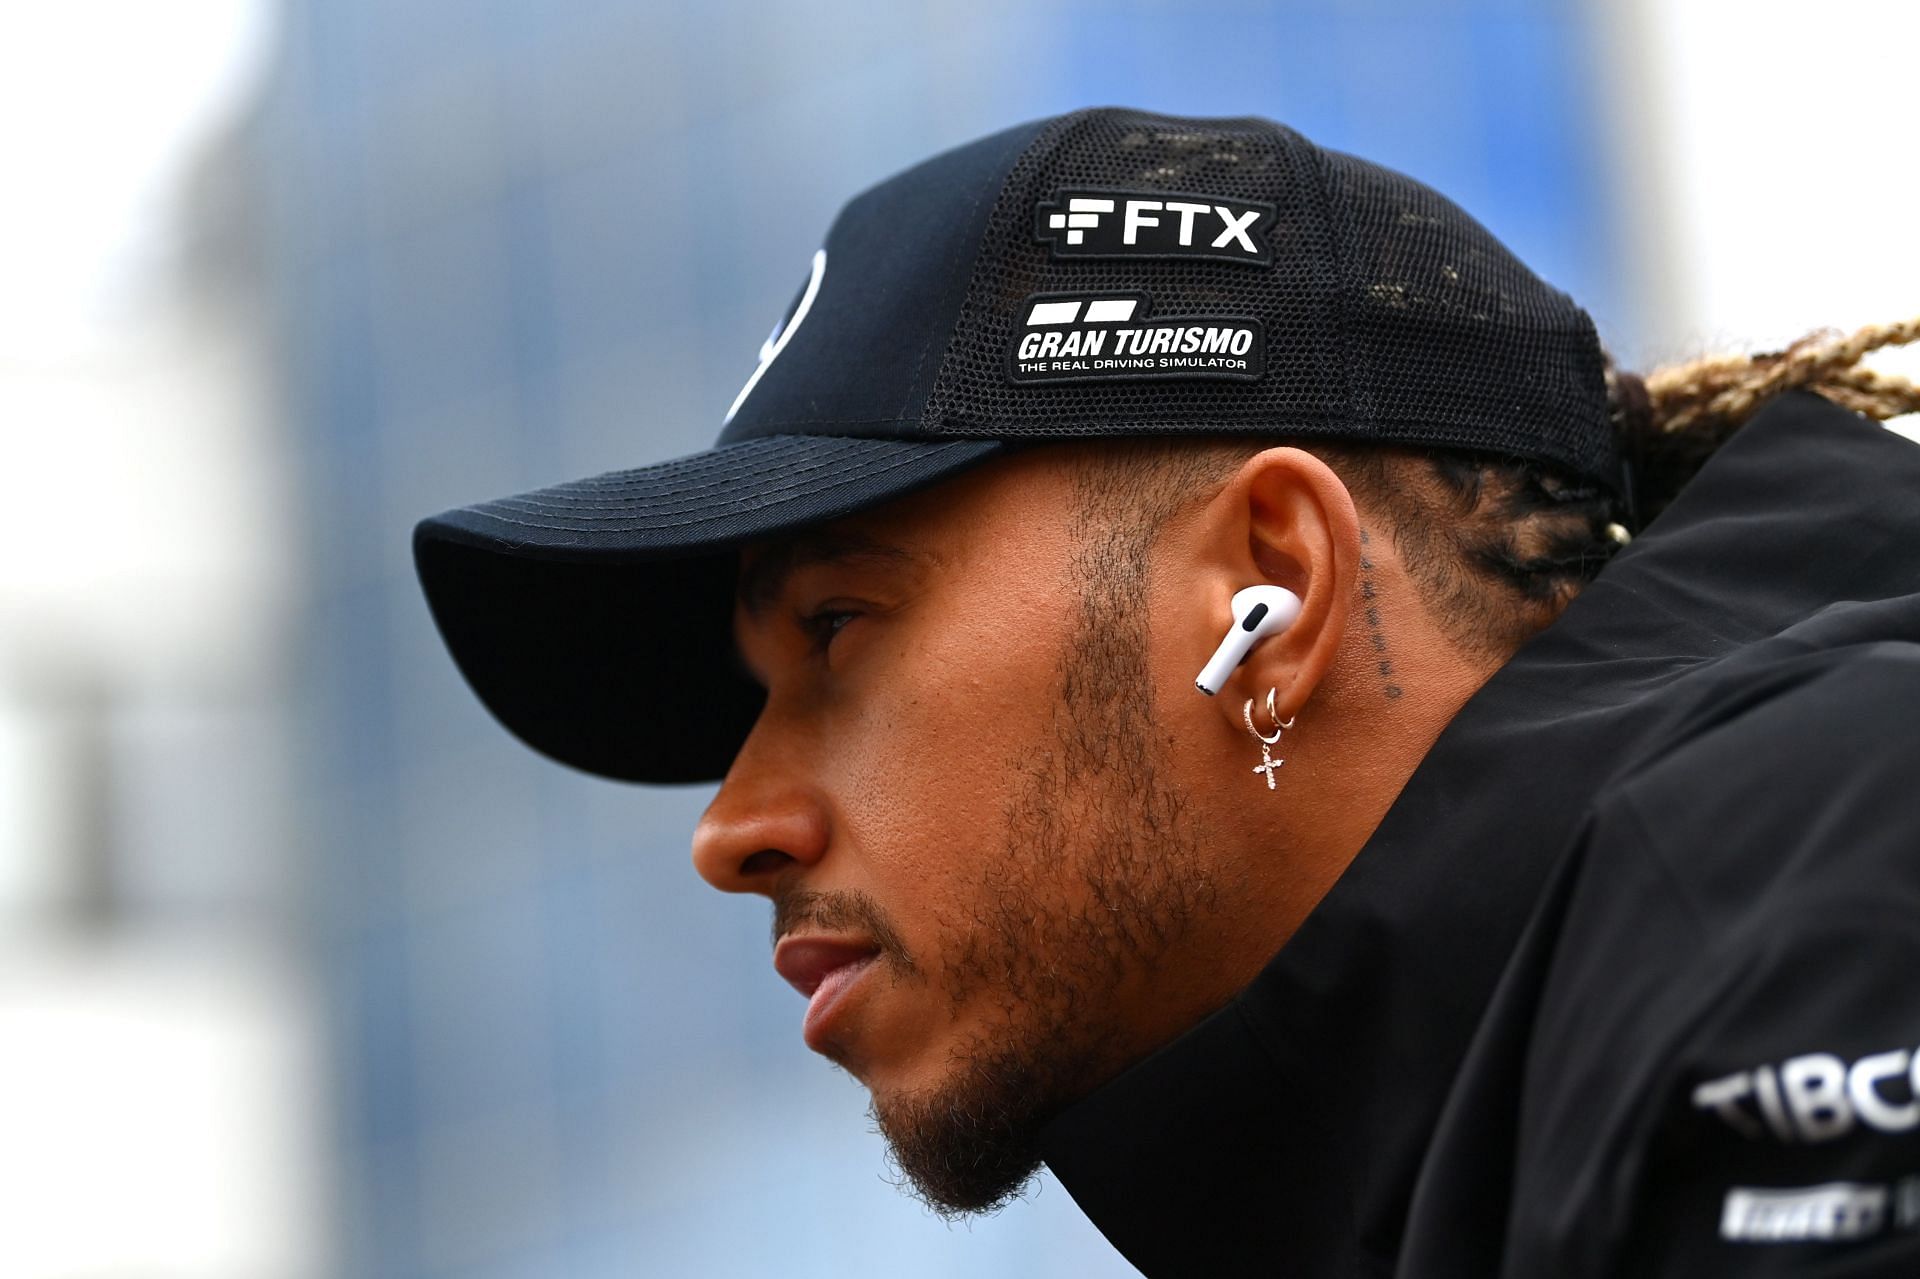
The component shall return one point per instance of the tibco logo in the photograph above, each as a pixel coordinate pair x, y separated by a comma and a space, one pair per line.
1818, 1097
1146, 224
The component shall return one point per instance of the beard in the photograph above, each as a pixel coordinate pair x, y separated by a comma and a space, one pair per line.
1097, 882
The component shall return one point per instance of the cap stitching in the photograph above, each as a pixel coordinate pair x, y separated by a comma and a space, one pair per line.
715, 519
686, 492
913, 449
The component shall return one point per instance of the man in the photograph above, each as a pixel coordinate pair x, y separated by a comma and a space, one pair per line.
1516, 907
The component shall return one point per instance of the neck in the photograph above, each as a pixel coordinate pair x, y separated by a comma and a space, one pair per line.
1355, 743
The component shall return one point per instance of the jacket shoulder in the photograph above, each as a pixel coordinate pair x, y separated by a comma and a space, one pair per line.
1799, 779
1736, 933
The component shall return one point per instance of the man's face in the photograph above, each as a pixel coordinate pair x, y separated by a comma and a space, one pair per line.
966, 768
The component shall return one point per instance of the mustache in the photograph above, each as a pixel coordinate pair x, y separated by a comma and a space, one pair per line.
842, 911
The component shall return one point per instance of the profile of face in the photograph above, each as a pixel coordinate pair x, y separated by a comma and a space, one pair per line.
1009, 846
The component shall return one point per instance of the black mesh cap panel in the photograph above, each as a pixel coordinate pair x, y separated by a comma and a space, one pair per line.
1389, 313
1453, 341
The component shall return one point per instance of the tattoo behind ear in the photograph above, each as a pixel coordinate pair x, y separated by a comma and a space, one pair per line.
1375, 634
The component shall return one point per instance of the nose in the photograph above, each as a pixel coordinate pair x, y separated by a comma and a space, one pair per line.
760, 826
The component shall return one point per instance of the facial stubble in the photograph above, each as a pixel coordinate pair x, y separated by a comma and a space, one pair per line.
1097, 881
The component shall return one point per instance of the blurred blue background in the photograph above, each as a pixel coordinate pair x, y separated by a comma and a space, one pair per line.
306, 966
519, 243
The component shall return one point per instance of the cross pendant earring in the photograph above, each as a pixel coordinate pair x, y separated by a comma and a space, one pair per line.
1267, 762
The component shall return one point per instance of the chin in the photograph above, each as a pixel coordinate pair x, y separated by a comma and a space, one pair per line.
899, 1075
965, 1144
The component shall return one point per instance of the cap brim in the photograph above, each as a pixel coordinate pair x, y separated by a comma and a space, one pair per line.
594, 618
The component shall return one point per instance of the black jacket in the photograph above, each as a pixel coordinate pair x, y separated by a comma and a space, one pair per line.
1627, 982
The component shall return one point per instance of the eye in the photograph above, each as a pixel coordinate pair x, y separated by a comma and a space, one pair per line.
825, 623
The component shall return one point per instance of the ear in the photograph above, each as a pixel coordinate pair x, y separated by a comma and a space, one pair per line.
1287, 519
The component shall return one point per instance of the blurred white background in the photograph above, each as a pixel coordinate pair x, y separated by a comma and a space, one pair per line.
162, 1096
306, 968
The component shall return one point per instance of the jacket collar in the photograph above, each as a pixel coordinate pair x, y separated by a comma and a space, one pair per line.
1291, 1124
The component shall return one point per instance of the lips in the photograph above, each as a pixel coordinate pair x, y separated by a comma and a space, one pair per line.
823, 969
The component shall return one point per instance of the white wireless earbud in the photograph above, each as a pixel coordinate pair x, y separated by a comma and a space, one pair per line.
1258, 611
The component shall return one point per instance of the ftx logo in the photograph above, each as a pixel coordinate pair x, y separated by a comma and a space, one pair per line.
1154, 224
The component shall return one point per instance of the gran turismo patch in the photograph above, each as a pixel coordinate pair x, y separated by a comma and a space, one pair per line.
1154, 224
1086, 337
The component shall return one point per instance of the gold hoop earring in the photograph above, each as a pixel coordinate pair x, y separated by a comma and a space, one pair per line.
1267, 762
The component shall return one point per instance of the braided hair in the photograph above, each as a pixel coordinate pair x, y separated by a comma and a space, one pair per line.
1671, 421
1501, 545
1540, 534
1498, 546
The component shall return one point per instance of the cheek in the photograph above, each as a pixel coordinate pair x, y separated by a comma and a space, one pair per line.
947, 711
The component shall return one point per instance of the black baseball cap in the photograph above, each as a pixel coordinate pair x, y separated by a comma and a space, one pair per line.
1104, 273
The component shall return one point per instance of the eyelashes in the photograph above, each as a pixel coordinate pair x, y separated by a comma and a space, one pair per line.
821, 625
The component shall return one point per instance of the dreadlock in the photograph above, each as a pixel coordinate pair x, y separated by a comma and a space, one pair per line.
1499, 546
1674, 419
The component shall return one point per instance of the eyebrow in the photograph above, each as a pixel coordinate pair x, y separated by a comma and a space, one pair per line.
762, 581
